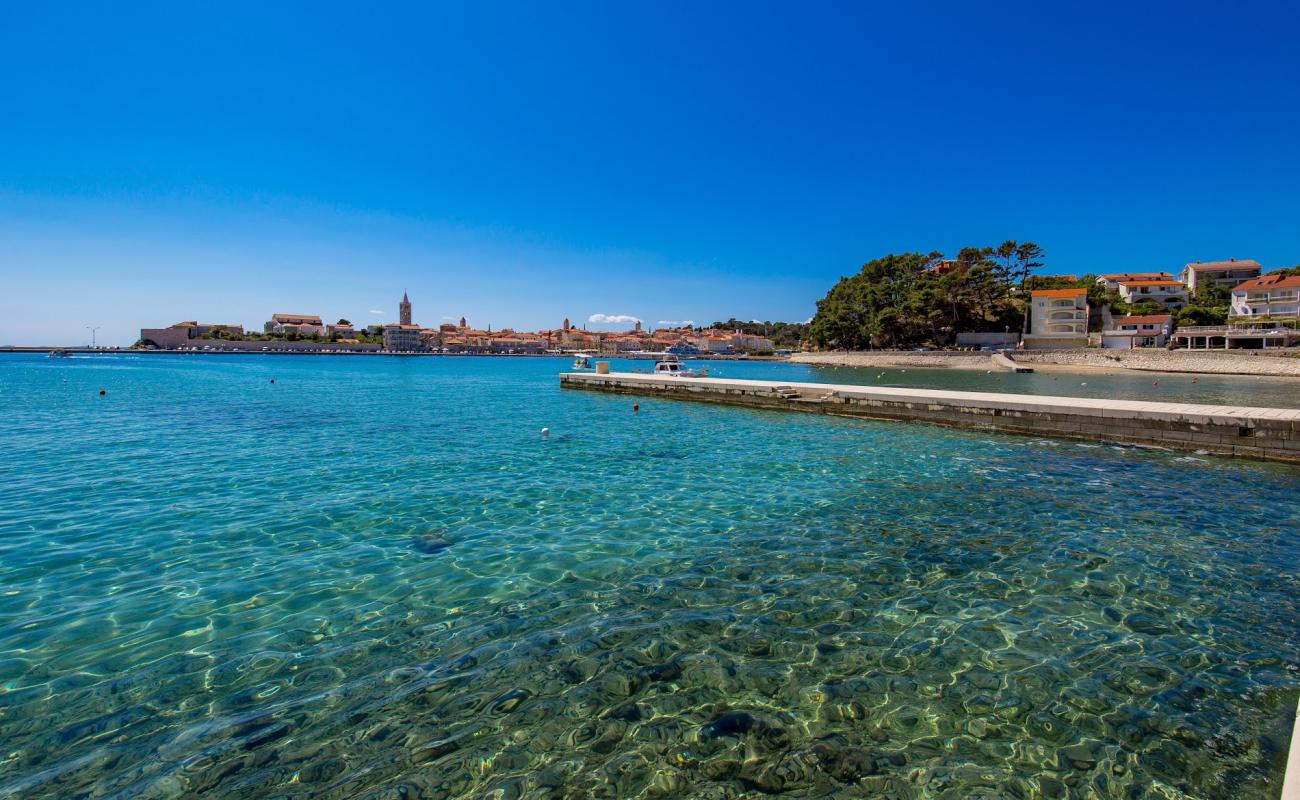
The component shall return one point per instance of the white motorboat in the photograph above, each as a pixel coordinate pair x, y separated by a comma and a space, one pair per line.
670, 366
583, 361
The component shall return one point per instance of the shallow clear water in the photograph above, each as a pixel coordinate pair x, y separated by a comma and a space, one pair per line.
373, 578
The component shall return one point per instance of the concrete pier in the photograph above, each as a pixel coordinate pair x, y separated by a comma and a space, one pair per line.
1003, 362
1268, 434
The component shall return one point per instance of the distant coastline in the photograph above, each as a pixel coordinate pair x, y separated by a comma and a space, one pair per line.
39, 349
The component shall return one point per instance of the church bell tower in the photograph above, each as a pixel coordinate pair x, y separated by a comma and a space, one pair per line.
404, 310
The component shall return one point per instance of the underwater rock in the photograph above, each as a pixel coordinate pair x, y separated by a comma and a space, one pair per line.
628, 712
721, 769
430, 543
510, 701
733, 723
322, 770
432, 751
1145, 623
792, 771
669, 671
1081, 756
579, 670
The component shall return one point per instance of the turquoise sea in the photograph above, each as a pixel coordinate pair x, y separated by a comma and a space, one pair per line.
374, 578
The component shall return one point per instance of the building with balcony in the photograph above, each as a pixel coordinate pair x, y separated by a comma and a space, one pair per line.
1112, 280
1169, 293
1272, 296
1058, 318
1150, 330
1239, 335
1224, 273
403, 338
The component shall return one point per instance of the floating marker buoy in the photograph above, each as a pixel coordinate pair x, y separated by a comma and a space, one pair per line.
1193, 380
546, 432
1155, 383
273, 380
636, 407
1085, 383
102, 392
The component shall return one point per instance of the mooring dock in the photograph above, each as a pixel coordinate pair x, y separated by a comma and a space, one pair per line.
1268, 434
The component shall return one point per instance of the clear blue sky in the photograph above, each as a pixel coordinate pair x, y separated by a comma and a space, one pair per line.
520, 163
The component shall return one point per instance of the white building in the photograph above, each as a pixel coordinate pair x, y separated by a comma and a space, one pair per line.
1170, 293
1113, 280
1272, 296
1151, 330
1058, 318
1225, 273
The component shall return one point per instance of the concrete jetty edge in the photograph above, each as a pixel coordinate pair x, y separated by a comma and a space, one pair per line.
1265, 434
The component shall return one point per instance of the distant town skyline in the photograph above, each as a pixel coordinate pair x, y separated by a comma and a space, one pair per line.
518, 165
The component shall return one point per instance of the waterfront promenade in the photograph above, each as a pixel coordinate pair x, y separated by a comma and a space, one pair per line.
1269, 434
1277, 363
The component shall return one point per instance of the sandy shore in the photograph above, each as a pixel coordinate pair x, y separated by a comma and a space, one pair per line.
1237, 362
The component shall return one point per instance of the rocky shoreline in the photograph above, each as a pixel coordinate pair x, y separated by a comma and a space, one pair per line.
1209, 362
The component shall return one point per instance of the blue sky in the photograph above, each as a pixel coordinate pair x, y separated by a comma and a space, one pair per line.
520, 163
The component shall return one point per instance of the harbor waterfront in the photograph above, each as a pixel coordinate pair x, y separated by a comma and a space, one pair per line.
1269, 434
244, 577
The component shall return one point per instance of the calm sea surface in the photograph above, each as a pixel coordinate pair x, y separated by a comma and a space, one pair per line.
374, 578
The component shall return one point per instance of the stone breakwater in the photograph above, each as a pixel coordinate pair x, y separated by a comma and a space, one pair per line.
1267, 434
895, 358
1221, 362
1235, 362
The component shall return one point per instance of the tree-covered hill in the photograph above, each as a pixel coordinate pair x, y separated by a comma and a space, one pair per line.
911, 299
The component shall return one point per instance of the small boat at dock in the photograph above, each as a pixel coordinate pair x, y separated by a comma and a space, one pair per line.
671, 366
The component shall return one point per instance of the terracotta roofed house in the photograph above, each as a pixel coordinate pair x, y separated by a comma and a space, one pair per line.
1169, 292
1225, 273
1272, 296
1112, 280
1058, 318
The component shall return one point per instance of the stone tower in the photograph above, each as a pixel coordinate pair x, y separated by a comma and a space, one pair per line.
566, 323
404, 310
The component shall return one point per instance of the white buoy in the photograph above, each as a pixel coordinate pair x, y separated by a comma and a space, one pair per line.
1085, 383
546, 432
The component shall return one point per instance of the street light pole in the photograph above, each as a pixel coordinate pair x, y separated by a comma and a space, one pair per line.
93, 331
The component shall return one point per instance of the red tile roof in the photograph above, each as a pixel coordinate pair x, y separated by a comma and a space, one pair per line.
1059, 292
1128, 276
1268, 282
1243, 264
1151, 283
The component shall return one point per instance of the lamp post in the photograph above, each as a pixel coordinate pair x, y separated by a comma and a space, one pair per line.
93, 331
